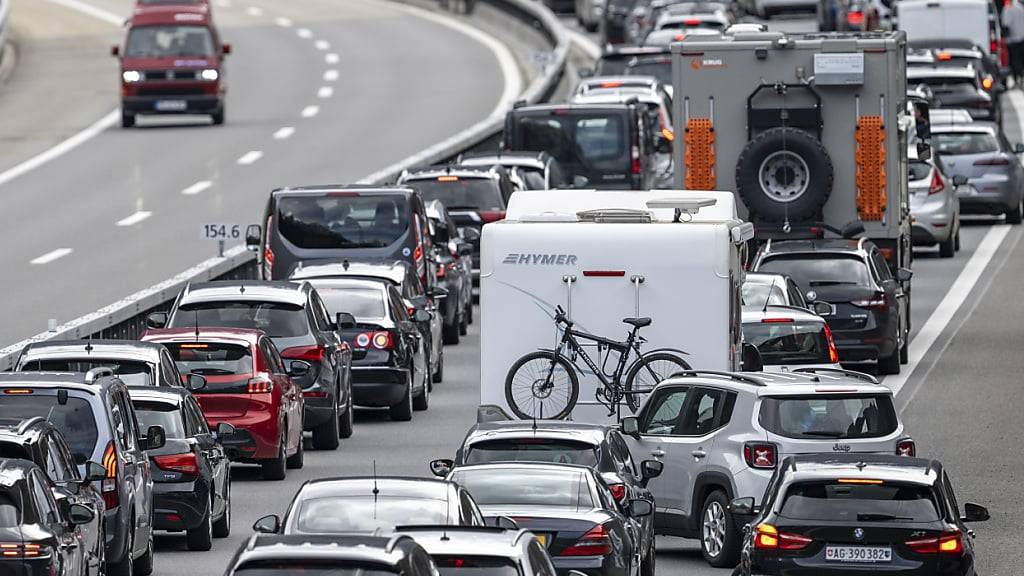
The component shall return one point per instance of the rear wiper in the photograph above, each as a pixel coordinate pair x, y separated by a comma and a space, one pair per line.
450, 208
825, 433
881, 518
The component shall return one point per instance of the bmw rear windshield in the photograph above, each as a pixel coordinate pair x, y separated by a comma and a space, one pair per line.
829, 416
812, 270
532, 450
845, 501
342, 220
789, 342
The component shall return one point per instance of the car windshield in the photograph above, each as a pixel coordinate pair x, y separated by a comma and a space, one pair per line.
526, 487
130, 372
9, 517
757, 295
587, 144
74, 418
168, 42
832, 416
460, 193
659, 68
363, 303
462, 565
810, 270
276, 319
300, 568
945, 85
227, 367
918, 170
161, 414
955, 143
782, 343
338, 514
532, 450
838, 501
343, 220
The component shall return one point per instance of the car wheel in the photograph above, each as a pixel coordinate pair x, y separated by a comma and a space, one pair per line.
144, 563
439, 373
719, 538
451, 332
957, 238
222, 527
422, 402
1015, 214
402, 412
201, 537
275, 468
947, 248
297, 460
325, 436
889, 364
463, 323
218, 116
469, 311
345, 425
125, 567
127, 119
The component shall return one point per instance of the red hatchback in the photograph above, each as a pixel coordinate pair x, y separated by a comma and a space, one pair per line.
249, 387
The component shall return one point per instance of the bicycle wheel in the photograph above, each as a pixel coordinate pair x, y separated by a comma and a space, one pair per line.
542, 385
647, 372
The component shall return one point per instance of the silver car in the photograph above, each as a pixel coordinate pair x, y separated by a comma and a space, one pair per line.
980, 152
934, 206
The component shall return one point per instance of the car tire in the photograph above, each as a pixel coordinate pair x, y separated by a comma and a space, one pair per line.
422, 402
402, 412
347, 420
126, 567
800, 171
222, 527
947, 248
144, 564
719, 536
200, 538
439, 373
957, 238
275, 468
127, 119
451, 333
889, 365
647, 564
218, 116
1015, 214
463, 323
325, 436
469, 311
297, 460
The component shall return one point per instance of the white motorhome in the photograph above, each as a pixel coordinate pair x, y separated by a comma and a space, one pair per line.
674, 256
941, 21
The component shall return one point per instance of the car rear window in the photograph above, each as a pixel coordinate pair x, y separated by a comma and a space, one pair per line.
586, 143
225, 366
131, 373
168, 42
838, 501
789, 342
458, 193
292, 567
475, 566
954, 143
343, 221
525, 487
363, 303
832, 416
168, 416
74, 418
341, 514
9, 517
758, 295
810, 270
945, 85
532, 450
918, 170
660, 68
277, 320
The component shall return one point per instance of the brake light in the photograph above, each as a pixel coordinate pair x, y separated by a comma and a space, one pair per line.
855, 18
868, 481
611, 84
18, 391
760, 455
877, 302
692, 21
17, 550
776, 320
363, 340
593, 543
184, 463
108, 486
411, 310
383, 341
950, 542
447, 178
906, 447
268, 254
833, 352
767, 537
618, 491
261, 384
442, 271
993, 46
491, 215
938, 185
307, 353
789, 541
997, 161
636, 159
987, 82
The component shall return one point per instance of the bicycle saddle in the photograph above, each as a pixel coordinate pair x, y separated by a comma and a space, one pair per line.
637, 322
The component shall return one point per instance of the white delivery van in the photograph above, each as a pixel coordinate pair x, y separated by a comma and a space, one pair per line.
675, 257
976, 21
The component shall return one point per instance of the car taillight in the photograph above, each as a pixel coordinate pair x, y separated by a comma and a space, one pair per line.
21, 551
108, 486
260, 384
833, 352
593, 543
906, 447
442, 271
308, 353
760, 455
184, 463
383, 341
618, 491
855, 18
938, 185
767, 537
362, 340
411, 310
878, 302
950, 542
491, 215
268, 254
789, 541
997, 161
636, 159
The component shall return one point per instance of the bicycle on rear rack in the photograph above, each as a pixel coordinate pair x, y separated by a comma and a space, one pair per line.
545, 383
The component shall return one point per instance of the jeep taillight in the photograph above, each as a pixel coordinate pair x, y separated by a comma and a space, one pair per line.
906, 447
760, 455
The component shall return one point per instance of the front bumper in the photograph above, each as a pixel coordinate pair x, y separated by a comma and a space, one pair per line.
180, 506
192, 104
378, 386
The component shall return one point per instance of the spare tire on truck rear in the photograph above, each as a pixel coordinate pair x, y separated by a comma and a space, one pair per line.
784, 174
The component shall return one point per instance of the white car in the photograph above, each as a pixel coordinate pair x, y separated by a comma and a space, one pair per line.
789, 338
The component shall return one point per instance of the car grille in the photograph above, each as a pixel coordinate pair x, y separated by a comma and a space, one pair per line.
172, 91
171, 74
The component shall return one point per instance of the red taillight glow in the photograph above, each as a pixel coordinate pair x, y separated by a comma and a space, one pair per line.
767, 537
789, 541
307, 353
691, 21
491, 215
833, 352
759, 455
618, 491
604, 273
938, 185
855, 18
31, 550
261, 384
184, 463
108, 486
593, 543
948, 543
878, 302
382, 340
776, 321
442, 271
906, 447
268, 254
636, 159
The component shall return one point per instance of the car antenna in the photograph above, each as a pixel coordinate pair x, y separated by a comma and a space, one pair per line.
241, 288
376, 491
196, 313
769, 296
447, 512
345, 264
88, 345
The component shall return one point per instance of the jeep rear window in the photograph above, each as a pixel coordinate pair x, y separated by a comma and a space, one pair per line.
168, 42
227, 367
131, 373
276, 319
459, 193
810, 270
831, 416
789, 342
835, 501
74, 418
343, 221
533, 450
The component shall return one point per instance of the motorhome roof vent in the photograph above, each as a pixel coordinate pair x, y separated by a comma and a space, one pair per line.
689, 206
616, 216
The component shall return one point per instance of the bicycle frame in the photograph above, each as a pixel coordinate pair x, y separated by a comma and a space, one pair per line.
569, 339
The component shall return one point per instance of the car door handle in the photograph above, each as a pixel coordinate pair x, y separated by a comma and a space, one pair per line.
657, 452
699, 453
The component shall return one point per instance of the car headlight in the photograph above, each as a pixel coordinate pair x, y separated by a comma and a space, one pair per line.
131, 76
209, 74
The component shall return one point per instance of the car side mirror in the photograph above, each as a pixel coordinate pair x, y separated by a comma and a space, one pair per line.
751, 361
924, 150
638, 508
664, 145
960, 180
441, 467
345, 321
225, 49
115, 50
252, 237
79, 514
650, 469
94, 472
156, 320
267, 525
904, 274
465, 249
974, 513
580, 181
743, 506
1018, 148
155, 438
422, 316
195, 382
630, 426
823, 308
299, 368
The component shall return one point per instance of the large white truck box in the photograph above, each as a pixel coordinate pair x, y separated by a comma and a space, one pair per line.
604, 256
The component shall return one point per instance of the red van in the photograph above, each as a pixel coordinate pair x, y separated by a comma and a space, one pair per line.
172, 62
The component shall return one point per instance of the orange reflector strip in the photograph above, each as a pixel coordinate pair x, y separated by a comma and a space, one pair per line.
859, 481
611, 84
870, 159
18, 391
944, 56
699, 157
447, 178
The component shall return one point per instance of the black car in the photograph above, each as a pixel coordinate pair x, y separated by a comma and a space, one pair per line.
482, 550
304, 555
599, 447
40, 536
569, 507
40, 442
454, 272
95, 414
334, 222
828, 514
135, 363
371, 504
956, 87
295, 318
527, 170
191, 476
389, 352
614, 26
871, 321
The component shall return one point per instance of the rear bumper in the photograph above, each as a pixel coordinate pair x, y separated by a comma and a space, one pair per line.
201, 104
590, 565
317, 410
180, 505
378, 386
115, 529
250, 442
865, 345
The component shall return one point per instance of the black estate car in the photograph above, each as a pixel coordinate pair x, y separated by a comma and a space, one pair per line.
305, 555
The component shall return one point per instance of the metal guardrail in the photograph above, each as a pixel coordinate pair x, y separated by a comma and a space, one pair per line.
127, 317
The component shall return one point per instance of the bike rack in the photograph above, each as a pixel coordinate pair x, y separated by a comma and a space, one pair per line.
637, 280
568, 279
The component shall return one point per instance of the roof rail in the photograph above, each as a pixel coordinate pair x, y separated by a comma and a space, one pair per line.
840, 371
25, 424
96, 373
731, 375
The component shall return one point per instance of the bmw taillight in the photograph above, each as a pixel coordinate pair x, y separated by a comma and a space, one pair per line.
618, 491
906, 447
108, 486
314, 354
767, 537
183, 463
937, 185
760, 455
950, 542
594, 543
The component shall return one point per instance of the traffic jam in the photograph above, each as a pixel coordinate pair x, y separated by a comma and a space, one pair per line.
690, 281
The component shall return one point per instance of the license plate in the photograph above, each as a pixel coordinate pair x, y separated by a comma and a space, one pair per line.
171, 105
543, 539
867, 554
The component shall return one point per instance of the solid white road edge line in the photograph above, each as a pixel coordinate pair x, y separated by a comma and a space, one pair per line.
284, 133
588, 46
509, 71
249, 157
61, 148
134, 218
51, 256
90, 10
197, 188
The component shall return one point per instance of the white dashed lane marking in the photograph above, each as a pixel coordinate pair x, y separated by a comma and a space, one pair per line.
325, 92
283, 22
197, 188
254, 11
284, 133
304, 33
134, 218
331, 75
310, 111
322, 45
250, 157
51, 256
332, 58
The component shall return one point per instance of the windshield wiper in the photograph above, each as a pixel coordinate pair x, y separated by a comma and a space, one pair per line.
881, 518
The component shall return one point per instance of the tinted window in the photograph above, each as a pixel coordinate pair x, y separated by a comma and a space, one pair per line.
660, 68
342, 221
74, 419
225, 365
832, 416
945, 85
460, 193
789, 342
168, 42
14, 450
533, 449
363, 303
160, 414
475, 566
131, 373
9, 517
665, 412
704, 407
838, 502
809, 270
586, 144
296, 568
333, 515
518, 486
954, 143
275, 319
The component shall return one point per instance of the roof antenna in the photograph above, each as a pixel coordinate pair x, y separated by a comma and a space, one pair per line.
344, 264
241, 288
769, 296
375, 490
196, 312
88, 345
447, 512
